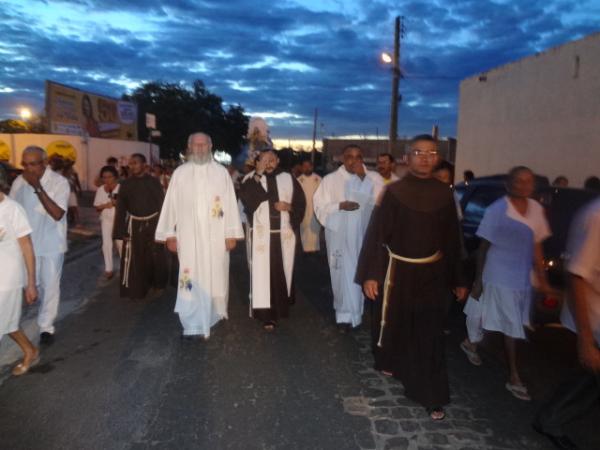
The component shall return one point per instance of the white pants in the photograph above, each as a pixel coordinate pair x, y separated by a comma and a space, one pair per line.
108, 244
49, 272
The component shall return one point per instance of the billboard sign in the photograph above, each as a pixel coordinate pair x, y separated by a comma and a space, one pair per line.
72, 111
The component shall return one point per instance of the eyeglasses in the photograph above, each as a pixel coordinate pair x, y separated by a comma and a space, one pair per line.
32, 164
423, 154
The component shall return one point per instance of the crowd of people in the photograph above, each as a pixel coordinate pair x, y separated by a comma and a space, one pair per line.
396, 242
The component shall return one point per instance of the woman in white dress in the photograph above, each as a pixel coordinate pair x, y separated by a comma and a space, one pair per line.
18, 272
512, 231
105, 201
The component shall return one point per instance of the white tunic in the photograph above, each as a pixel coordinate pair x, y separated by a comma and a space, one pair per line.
200, 210
49, 236
310, 228
102, 198
344, 232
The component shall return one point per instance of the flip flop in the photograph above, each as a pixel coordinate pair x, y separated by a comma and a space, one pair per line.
518, 391
472, 356
436, 413
22, 369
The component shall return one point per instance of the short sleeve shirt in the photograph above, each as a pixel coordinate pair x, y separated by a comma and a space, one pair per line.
49, 236
102, 197
512, 236
583, 249
13, 225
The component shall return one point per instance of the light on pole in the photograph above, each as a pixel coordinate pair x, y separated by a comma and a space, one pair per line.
25, 114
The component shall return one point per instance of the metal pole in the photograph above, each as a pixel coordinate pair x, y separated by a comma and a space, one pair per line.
314, 148
395, 87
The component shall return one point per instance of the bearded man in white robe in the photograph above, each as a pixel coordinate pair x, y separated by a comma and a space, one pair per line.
200, 222
343, 204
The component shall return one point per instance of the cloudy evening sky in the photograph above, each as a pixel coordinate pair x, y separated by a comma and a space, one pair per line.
281, 59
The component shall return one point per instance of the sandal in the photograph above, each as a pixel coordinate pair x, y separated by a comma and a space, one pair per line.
436, 413
269, 326
22, 368
472, 356
518, 391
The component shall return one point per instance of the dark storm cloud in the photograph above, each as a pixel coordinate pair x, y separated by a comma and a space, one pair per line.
283, 57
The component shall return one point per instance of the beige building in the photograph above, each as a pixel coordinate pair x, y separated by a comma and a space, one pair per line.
542, 111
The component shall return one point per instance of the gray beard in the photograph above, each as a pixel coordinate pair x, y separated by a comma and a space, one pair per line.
200, 159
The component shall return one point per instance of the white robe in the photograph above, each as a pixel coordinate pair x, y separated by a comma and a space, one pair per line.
310, 228
344, 232
200, 209
259, 244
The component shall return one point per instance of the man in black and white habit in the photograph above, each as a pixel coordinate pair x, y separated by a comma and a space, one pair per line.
274, 204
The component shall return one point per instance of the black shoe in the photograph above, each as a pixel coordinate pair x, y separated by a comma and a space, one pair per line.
344, 328
46, 338
563, 442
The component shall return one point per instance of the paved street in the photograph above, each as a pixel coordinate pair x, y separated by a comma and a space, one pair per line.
119, 377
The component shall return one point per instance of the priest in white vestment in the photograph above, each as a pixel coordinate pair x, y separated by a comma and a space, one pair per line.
274, 205
310, 228
343, 204
200, 222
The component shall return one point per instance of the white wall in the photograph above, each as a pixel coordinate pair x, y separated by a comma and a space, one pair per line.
91, 154
541, 111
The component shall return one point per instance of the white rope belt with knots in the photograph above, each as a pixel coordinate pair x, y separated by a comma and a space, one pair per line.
389, 280
127, 259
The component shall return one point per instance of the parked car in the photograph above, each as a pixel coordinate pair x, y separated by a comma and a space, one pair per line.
11, 171
560, 205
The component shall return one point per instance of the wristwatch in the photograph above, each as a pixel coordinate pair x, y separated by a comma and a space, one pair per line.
38, 191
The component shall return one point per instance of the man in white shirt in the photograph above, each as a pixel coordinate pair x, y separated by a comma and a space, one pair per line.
581, 314
385, 167
343, 203
44, 196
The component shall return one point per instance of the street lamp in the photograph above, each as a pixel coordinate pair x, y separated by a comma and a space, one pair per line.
25, 114
386, 58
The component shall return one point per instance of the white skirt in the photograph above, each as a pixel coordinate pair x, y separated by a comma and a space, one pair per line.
10, 310
501, 309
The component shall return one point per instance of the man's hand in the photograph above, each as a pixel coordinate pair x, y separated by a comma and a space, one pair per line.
33, 179
282, 206
371, 288
230, 244
461, 293
589, 355
31, 293
477, 289
348, 206
172, 244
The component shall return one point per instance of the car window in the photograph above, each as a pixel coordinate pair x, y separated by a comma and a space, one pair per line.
478, 201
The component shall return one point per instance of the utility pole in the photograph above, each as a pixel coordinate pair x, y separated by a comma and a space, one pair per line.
396, 74
314, 146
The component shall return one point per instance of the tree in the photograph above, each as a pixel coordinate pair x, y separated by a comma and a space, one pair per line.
181, 111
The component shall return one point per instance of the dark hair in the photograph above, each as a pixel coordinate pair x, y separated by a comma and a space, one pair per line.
139, 156
468, 175
111, 160
444, 165
512, 173
423, 137
349, 146
388, 156
592, 183
110, 169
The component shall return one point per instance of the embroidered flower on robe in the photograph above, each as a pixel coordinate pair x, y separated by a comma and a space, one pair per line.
185, 282
217, 209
